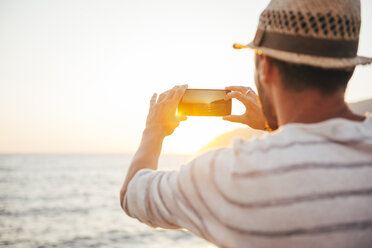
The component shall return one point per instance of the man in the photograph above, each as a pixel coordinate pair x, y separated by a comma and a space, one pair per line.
307, 184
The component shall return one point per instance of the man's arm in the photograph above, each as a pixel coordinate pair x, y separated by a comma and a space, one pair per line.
161, 122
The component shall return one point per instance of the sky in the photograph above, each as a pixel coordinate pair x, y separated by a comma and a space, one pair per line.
76, 76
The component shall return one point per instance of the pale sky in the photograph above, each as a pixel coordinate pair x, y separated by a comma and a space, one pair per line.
76, 76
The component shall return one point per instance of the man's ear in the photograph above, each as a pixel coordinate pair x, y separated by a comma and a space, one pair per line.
265, 70
262, 70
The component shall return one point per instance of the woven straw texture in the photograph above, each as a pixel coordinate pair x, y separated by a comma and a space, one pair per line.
337, 20
317, 18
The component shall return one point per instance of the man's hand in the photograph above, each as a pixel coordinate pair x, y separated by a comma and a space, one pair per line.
253, 115
162, 117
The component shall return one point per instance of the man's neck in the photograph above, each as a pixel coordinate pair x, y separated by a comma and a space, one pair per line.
311, 106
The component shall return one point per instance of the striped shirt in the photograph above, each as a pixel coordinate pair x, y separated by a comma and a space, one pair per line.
306, 185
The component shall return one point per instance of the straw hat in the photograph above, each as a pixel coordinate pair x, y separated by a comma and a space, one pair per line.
321, 33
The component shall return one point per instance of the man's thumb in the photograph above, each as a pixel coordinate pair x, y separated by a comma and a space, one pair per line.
232, 118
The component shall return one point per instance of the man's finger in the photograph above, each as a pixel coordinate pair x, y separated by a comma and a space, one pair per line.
153, 100
179, 93
233, 118
236, 95
181, 117
241, 89
163, 96
171, 94
248, 101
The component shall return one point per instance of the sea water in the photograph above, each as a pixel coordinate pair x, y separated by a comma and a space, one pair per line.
73, 201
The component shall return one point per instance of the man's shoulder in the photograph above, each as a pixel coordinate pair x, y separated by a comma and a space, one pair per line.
296, 134
281, 139
294, 144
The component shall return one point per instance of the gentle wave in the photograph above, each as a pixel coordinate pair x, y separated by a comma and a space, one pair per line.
73, 201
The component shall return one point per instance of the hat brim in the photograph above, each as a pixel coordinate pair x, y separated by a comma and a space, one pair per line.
303, 59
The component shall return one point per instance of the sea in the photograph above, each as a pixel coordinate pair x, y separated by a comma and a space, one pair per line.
73, 201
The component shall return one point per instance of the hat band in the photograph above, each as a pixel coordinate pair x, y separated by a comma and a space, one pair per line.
306, 45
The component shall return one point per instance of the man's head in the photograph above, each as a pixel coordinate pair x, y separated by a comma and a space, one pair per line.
294, 78
298, 78
305, 46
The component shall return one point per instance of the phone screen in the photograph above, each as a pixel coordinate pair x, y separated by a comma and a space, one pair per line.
204, 102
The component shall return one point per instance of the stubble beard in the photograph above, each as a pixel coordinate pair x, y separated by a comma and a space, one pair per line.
266, 105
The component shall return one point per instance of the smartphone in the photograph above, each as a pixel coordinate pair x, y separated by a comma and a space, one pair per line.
204, 102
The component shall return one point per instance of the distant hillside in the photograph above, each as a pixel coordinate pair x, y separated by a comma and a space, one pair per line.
225, 139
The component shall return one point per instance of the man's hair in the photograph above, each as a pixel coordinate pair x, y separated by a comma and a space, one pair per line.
302, 77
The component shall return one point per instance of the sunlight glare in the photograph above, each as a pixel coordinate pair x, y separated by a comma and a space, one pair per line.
196, 132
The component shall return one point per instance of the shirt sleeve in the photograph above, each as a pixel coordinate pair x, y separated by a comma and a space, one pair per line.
169, 199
